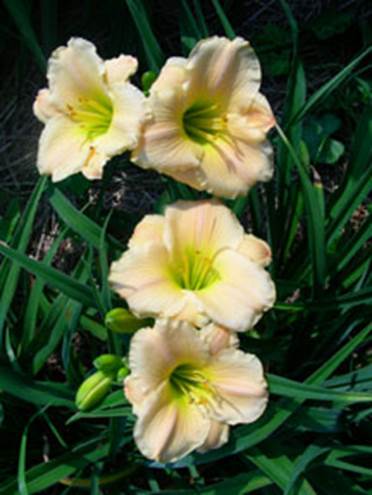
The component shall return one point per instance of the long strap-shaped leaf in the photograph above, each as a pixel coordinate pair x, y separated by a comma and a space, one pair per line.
53, 277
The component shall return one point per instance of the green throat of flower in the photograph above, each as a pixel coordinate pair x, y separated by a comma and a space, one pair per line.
203, 121
195, 272
189, 382
93, 116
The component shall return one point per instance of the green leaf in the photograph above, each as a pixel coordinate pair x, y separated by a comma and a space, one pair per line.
76, 220
24, 229
36, 392
53, 277
152, 48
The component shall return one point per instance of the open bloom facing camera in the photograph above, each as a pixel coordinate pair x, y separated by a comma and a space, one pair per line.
195, 263
187, 386
90, 111
209, 121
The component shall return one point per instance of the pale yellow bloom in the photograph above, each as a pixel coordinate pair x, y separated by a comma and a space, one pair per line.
90, 111
188, 386
195, 263
209, 121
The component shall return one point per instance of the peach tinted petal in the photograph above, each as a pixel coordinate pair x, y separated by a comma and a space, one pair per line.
239, 382
128, 114
172, 75
163, 143
255, 249
155, 352
218, 338
218, 435
149, 229
75, 71
205, 226
250, 119
223, 68
119, 69
59, 135
43, 107
169, 429
244, 292
142, 277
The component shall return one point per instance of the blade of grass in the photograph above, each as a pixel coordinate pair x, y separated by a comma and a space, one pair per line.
53, 277
152, 48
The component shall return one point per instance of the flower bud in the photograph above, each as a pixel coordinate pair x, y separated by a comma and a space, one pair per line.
147, 80
122, 373
120, 320
93, 390
108, 363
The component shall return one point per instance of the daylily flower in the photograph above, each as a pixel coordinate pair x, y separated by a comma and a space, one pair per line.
90, 111
186, 393
209, 121
195, 263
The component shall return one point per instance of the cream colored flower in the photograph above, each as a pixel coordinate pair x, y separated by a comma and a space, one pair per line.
90, 111
209, 120
195, 263
185, 394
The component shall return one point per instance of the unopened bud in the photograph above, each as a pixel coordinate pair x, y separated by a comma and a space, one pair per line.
120, 320
147, 80
93, 390
108, 363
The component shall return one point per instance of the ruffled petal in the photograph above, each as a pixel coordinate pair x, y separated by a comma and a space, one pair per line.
238, 379
232, 167
244, 291
163, 143
128, 114
75, 72
59, 136
172, 75
218, 435
218, 338
149, 230
142, 277
255, 249
119, 69
169, 429
155, 352
223, 69
250, 119
43, 107
204, 226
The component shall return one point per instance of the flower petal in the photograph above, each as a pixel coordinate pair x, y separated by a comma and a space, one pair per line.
172, 75
233, 167
155, 352
255, 249
218, 435
74, 72
163, 142
169, 429
218, 338
142, 277
250, 119
59, 135
149, 229
224, 69
239, 382
129, 112
243, 293
119, 69
43, 108
206, 226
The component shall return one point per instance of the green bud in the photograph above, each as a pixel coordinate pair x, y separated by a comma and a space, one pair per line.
93, 390
108, 363
122, 373
147, 80
120, 320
